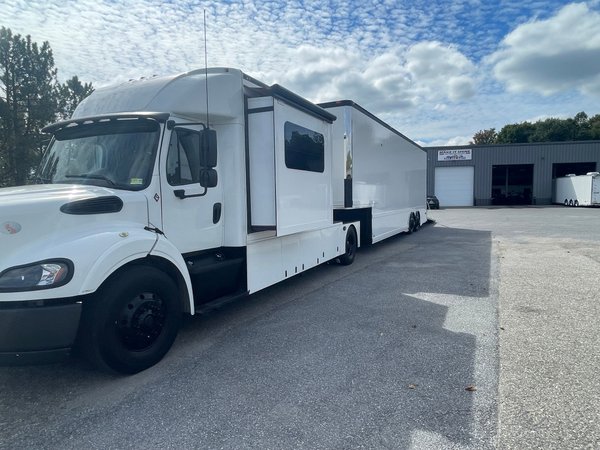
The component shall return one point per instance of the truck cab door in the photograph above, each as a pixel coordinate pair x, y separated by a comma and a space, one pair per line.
191, 193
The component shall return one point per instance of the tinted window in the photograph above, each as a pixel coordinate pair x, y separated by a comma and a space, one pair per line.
304, 148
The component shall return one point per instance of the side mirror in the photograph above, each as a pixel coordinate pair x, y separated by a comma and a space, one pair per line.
208, 178
208, 148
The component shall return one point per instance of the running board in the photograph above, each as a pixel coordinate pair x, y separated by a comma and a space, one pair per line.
220, 302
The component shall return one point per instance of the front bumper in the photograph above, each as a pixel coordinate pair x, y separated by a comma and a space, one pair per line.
38, 331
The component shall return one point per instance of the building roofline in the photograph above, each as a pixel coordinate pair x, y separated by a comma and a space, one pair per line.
518, 144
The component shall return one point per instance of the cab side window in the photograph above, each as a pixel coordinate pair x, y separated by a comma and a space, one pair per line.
183, 165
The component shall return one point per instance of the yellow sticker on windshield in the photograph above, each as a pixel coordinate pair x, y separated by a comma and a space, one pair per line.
136, 181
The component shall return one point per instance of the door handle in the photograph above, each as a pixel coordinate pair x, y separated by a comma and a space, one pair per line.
216, 212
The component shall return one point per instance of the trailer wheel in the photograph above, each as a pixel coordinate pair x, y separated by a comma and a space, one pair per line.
566, 203
576, 203
351, 246
571, 202
411, 223
417, 221
132, 321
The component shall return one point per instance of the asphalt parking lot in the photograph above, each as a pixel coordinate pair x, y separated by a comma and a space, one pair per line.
479, 331
549, 320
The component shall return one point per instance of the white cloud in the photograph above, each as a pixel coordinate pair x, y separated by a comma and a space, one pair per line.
424, 75
553, 55
414, 64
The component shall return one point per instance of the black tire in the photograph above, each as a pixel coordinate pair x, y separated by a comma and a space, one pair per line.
576, 203
417, 221
571, 202
411, 223
351, 246
566, 203
131, 321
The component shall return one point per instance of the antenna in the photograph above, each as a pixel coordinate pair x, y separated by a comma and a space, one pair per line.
206, 70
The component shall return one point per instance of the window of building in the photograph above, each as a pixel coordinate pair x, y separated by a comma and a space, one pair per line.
304, 148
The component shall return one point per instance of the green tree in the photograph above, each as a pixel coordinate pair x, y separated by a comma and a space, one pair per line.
30, 97
515, 133
554, 130
578, 128
483, 137
70, 94
581, 118
27, 80
594, 127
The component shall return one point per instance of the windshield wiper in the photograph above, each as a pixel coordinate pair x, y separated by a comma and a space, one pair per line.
93, 176
40, 180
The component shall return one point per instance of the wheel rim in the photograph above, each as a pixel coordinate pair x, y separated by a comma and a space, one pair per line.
141, 321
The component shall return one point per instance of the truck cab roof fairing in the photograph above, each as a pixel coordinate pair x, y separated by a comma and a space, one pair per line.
159, 117
182, 95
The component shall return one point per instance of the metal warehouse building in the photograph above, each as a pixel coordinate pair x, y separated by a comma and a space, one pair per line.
505, 174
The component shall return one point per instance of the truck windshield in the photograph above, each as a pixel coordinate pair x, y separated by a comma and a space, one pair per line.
117, 153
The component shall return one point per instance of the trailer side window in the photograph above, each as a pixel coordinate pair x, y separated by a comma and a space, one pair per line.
304, 148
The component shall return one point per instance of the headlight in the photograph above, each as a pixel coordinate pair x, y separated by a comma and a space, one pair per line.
40, 275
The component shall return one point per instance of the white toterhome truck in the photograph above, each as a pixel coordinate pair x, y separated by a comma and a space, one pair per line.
578, 190
153, 200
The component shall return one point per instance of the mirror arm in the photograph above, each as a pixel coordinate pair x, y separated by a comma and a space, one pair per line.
180, 193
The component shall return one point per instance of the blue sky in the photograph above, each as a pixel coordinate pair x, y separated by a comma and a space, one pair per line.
437, 71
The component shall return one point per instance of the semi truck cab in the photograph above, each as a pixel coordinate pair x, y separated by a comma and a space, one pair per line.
97, 208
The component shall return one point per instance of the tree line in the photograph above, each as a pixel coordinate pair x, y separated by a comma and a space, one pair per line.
30, 98
577, 128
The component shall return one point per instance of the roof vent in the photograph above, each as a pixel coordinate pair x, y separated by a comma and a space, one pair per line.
593, 174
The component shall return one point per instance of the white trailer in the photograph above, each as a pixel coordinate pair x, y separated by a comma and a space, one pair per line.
578, 190
379, 174
154, 200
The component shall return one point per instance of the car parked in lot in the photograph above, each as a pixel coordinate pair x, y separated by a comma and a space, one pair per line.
433, 202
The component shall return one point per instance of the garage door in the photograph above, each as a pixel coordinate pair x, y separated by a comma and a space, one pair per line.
454, 185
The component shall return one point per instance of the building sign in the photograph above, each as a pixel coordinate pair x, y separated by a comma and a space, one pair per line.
455, 155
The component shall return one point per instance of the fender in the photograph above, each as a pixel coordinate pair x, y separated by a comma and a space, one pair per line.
96, 252
166, 250
137, 245
130, 245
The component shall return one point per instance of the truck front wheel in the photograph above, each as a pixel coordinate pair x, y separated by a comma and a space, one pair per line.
132, 320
